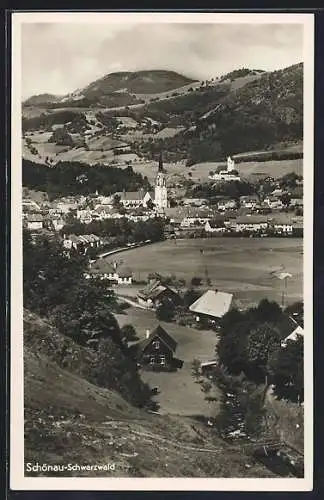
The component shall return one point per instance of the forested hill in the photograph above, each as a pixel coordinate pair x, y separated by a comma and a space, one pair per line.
70, 178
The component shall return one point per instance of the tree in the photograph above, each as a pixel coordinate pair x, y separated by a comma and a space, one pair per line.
196, 281
286, 368
128, 333
262, 341
166, 310
195, 369
285, 199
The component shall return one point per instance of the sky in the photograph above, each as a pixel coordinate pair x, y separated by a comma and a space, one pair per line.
58, 58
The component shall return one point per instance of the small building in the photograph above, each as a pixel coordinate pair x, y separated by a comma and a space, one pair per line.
155, 292
207, 367
157, 350
35, 222
215, 226
212, 305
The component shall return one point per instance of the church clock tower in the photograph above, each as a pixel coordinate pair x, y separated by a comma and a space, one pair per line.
161, 193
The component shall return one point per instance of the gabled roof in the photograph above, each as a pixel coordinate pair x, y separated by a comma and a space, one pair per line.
216, 223
212, 303
131, 195
154, 289
248, 219
287, 326
163, 335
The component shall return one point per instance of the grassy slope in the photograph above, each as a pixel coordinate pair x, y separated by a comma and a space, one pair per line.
69, 420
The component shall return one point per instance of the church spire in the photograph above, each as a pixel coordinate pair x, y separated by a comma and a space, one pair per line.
160, 163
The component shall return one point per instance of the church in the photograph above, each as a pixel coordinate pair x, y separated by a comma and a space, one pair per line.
158, 199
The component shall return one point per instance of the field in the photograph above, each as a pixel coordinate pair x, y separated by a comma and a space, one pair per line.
241, 266
180, 394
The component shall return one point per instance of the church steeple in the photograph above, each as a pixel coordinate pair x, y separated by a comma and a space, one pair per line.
161, 193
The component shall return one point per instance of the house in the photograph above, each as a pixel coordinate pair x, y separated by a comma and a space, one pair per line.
298, 332
282, 225
250, 202
249, 223
155, 292
273, 202
289, 329
157, 350
215, 226
81, 242
112, 274
35, 222
212, 305
223, 205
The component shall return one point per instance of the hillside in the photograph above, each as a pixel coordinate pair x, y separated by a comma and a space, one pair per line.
42, 100
248, 111
71, 420
116, 89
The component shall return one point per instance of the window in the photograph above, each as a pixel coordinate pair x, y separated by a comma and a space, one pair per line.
156, 344
152, 361
162, 359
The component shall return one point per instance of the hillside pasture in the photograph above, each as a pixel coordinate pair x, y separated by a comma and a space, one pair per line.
241, 266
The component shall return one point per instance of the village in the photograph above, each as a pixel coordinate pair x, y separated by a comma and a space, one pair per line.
174, 322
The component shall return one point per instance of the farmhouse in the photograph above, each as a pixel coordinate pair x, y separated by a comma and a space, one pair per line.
155, 292
157, 350
212, 305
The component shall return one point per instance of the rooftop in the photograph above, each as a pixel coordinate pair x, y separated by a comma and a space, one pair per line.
212, 303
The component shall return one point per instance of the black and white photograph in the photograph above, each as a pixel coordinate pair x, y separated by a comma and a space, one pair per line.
161, 251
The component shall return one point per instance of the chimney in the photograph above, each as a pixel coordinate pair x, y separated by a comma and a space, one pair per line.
147, 334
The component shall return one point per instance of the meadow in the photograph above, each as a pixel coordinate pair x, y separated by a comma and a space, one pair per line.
242, 266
